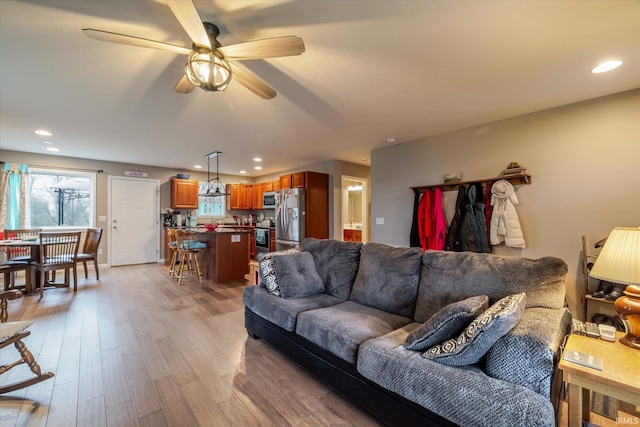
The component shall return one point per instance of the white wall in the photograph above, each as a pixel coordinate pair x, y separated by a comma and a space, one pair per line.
584, 160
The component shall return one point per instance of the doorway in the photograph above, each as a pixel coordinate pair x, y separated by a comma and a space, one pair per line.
354, 212
134, 217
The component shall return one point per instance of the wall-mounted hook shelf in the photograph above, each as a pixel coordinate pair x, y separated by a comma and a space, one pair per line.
451, 186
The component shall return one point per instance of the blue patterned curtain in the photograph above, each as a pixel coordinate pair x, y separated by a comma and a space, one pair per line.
13, 196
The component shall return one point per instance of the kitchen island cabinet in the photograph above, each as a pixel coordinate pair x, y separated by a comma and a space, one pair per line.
226, 257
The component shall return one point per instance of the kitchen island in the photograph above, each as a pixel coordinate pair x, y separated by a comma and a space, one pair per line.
226, 257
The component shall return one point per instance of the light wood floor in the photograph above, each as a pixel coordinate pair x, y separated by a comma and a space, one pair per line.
136, 349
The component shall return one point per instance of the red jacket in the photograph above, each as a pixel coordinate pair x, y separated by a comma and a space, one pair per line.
425, 224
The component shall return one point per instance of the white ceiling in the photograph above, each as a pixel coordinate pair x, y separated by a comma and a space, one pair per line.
372, 70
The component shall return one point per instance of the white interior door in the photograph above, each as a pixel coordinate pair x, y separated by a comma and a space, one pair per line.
134, 220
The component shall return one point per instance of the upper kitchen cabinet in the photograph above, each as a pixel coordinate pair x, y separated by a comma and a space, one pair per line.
233, 198
294, 180
184, 193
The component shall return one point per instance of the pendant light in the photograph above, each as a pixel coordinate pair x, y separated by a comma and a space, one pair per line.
212, 187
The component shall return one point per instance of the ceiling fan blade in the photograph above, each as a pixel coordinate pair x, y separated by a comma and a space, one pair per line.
188, 17
265, 48
252, 83
133, 41
184, 86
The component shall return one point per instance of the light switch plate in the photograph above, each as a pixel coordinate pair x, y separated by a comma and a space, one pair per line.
102, 218
380, 220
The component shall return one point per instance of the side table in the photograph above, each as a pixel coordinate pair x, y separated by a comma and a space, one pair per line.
619, 378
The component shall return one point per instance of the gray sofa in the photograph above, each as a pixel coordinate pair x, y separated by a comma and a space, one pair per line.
346, 317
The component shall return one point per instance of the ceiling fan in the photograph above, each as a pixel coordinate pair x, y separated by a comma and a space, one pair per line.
210, 65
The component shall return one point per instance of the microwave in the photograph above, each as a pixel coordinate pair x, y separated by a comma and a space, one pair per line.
269, 200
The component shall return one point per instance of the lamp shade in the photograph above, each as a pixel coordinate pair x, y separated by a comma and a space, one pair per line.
619, 260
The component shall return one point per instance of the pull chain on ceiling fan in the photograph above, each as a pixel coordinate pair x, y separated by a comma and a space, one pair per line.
210, 65
213, 186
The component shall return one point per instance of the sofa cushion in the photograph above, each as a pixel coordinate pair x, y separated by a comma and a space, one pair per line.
341, 328
464, 395
336, 262
267, 275
388, 278
283, 312
450, 276
481, 334
528, 353
297, 276
447, 323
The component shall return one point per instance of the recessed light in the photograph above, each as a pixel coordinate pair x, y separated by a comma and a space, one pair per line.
197, 166
52, 149
47, 142
258, 168
243, 171
43, 132
606, 66
257, 159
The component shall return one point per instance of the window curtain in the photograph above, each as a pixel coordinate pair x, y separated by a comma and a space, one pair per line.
14, 209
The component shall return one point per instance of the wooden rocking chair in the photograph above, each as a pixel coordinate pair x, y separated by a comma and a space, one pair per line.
14, 333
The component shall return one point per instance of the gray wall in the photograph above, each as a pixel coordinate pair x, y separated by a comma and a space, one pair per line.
584, 160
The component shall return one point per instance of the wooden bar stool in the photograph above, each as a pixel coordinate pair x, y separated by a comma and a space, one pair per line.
173, 247
188, 250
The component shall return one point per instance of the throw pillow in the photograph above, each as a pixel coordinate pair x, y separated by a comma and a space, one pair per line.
267, 273
297, 275
481, 334
447, 323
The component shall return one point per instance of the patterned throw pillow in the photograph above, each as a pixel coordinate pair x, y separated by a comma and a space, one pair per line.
447, 323
481, 334
267, 271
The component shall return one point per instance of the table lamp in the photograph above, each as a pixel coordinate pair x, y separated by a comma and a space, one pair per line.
619, 262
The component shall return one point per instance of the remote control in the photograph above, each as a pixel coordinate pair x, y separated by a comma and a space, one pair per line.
592, 330
577, 327
607, 333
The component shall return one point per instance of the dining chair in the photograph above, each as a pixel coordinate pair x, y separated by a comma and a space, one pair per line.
9, 268
188, 250
20, 253
90, 250
14, 333
58, 251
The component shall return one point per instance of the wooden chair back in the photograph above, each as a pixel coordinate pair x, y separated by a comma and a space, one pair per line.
58, 250
18, 234
92, 241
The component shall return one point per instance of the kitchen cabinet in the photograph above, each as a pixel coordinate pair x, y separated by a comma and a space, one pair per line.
257, 191
276, 184
268, 186
316, 187
298, 180
285, 182
245, 197
352, 235
252, 244
294, 180
233, 199
184, 194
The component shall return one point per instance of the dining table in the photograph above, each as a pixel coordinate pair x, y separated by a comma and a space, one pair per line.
34, 246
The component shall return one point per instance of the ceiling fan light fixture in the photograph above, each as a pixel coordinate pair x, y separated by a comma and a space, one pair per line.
208, 71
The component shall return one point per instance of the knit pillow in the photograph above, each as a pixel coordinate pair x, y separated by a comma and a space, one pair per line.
267, 273
447, 323
472, 344
297, 275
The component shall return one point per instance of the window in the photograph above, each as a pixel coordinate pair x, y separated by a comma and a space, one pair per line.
60, 199
214, 207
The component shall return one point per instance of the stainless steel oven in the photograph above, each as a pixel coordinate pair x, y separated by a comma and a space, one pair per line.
263, 240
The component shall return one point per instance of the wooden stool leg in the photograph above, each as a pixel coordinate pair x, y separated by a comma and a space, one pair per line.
197, 264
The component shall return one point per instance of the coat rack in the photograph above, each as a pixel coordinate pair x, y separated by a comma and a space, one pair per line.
451, 186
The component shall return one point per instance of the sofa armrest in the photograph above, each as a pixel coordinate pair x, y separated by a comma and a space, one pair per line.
529, 353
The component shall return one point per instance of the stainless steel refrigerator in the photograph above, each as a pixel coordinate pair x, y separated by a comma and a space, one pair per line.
290, 218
